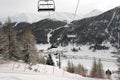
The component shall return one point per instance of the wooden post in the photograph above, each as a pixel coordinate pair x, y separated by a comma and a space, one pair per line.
13, 66
53, 70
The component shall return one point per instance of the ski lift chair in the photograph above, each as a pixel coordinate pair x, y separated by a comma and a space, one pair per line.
46, 5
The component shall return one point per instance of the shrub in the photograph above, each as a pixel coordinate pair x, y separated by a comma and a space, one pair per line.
80, 70
97, 70
49, 60
70, 67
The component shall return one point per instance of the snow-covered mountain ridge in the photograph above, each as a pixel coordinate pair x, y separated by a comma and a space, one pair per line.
90, 30
93, 13
34, 17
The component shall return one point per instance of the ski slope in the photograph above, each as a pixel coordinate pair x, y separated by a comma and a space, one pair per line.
21, 76
84, 56
11, 70
20, 71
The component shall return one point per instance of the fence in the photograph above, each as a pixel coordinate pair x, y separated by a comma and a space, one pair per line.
37, 69
91, 58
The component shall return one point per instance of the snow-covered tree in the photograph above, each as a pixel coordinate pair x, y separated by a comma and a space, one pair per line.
70, 67
80, 70
13, 48
3, 44
118, 68
27, 43
100, 69
94, 70
97, 69
41, 59
0, 23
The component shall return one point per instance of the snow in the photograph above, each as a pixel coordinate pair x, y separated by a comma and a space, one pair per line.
85, 56
50, 33
11, 70
23, 17
19, 76
62, 16
42, 46
106, 30
31, 17
44, 72
92, 13
48, 36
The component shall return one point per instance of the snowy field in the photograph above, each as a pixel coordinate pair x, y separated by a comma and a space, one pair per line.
84, 56
21, 76
20, 71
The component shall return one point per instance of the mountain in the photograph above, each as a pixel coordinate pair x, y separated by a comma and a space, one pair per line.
31, 17
64, 16
35, 17
92, 13
93, 30
41, 28
98, 29
23, 17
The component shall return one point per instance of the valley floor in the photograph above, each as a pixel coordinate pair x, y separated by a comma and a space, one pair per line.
85, 56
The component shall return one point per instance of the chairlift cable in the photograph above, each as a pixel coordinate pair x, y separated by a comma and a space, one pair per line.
74, 18
76, 10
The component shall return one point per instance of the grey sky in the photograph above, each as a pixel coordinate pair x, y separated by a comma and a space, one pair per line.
8, 7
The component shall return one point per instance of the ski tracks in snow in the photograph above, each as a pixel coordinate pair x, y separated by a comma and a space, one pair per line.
106, 30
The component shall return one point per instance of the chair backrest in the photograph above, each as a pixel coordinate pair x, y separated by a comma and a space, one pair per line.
46, 5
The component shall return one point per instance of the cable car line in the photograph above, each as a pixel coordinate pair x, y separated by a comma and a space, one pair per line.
49, 5
73, 35
76, 9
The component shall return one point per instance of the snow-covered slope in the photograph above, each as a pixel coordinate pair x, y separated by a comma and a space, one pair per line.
23, 17
34, 17
84, 56
92, 13
21, 71
64, 16
10, 70
27, 17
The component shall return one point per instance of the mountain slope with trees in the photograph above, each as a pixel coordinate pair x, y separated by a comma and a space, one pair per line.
93, 30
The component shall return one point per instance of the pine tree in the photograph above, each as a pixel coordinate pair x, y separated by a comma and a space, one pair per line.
41, 59
80, 70
3, 44
84, 71
118, 68
0, 23
94, 70
119, 73
70, 67
13, 48
49, 60
27, 43
100, 69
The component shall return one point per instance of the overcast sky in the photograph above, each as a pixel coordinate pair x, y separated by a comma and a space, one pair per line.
8, 7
